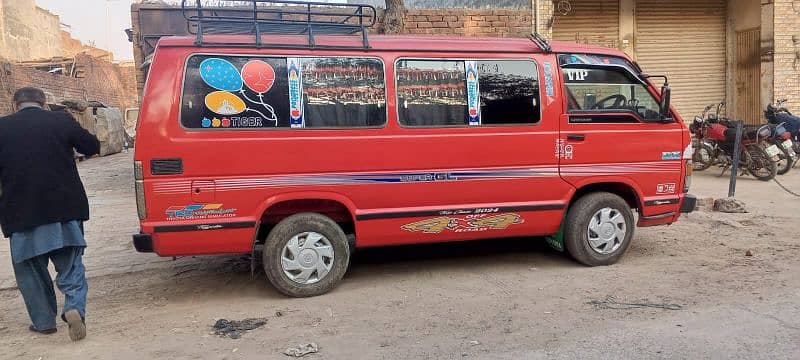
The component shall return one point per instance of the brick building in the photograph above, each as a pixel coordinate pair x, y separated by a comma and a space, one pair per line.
744, 52
36, 50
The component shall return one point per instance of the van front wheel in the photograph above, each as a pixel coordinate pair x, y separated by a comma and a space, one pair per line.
599, 229
306, 255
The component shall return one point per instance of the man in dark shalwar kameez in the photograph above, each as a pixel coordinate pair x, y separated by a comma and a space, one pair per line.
42, 209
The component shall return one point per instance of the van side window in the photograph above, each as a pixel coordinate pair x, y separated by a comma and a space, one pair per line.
509, 92
344, 92
463, 93
592, 90
431, 92
238, 92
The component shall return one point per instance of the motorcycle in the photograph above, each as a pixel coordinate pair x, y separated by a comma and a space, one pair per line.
778, 114
783, 140
705, 151
757, 156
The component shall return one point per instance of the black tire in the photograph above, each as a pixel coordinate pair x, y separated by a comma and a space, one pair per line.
299, 224
760, 165
576, 231
785, 162
700, 161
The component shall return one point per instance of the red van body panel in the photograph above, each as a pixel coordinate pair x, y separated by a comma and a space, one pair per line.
486, 182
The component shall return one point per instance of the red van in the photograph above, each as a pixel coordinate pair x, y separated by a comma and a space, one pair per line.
322, 139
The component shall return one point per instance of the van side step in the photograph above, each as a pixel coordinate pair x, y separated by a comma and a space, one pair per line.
278, 17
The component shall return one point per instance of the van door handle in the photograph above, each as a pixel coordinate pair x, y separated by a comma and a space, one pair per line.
576, 137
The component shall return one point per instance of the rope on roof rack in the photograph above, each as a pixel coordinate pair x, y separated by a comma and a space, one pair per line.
278, 17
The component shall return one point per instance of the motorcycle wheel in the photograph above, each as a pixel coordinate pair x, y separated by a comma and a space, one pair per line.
703, 157
759, 163
785, 162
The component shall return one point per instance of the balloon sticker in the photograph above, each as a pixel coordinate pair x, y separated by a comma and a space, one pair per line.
258, 76
223, 76
225, 103
220, 74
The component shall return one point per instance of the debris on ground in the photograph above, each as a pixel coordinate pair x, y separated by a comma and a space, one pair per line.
748, 253
705, 203
729, 205
611, 303
302, 350
474, 342
234, 329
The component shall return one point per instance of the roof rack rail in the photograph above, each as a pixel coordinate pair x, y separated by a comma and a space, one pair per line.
278, 17
541, 42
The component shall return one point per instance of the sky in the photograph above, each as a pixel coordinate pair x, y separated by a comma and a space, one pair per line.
87, 20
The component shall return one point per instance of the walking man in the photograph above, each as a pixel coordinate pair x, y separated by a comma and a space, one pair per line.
42, 208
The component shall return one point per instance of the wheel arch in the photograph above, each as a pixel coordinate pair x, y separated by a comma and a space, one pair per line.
333, 205
624, 189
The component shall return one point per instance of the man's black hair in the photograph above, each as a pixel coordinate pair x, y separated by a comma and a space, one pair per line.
30, 94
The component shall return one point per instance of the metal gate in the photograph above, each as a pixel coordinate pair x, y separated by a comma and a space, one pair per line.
589, 22
685, 40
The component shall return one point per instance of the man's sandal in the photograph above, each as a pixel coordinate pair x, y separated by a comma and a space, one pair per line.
77, 328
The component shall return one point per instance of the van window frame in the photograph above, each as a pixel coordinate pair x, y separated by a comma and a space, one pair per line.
638, 119
397, 100
183, 84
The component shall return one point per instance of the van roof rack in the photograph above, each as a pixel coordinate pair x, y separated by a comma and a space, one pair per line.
541, 42
278, 17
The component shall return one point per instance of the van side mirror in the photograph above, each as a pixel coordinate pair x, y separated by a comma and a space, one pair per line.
666, 93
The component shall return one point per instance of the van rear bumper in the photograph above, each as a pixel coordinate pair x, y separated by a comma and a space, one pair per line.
689, 203
143, 243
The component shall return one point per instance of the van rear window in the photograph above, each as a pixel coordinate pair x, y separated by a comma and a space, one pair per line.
237, 92
467, 92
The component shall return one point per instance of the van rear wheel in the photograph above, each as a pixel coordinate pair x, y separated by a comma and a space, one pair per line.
306, 255
599, 229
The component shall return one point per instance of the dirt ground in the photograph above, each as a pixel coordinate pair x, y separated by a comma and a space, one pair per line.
700, 296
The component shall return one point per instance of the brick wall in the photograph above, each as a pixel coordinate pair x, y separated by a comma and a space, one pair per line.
151, 20
787, 52
469, 22
108, 83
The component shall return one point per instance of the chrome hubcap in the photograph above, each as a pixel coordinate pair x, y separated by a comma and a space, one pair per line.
307, 257
607, 231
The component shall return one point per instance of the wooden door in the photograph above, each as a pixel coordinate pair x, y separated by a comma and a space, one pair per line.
748, 76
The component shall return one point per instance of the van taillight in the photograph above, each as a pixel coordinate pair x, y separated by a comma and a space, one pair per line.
138, 177
687, 180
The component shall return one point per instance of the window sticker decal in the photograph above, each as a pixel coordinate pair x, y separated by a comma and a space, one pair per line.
473, 92
548, 82
259, 77
461, 224
225, 103
222, 75
295, 93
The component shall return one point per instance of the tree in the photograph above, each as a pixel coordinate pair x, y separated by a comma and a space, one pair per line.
393, 17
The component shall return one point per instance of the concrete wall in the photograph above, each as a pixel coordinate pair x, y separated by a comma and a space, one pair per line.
787, 52
29, 32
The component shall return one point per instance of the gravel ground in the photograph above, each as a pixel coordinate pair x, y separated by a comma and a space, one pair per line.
696, 292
